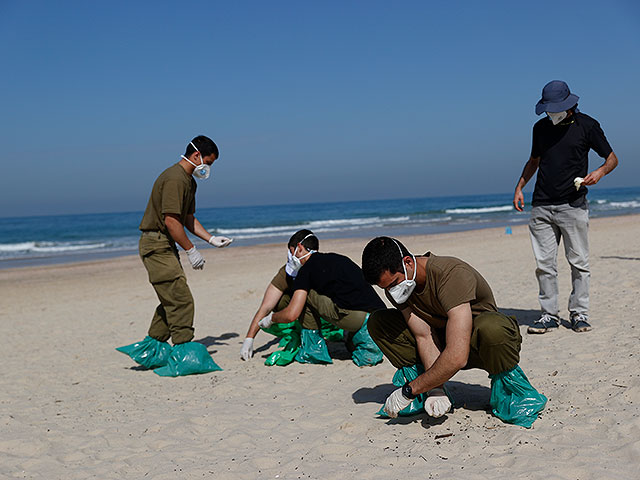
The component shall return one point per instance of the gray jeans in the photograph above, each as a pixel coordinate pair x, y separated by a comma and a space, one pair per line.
548, 224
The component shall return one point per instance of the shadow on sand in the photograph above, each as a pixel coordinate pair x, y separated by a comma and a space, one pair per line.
524, 317
468, 396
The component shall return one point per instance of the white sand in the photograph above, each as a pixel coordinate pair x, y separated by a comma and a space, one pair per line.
72, 407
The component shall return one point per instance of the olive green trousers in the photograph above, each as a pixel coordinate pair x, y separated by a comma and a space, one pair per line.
494, 346
174, 315
319, 306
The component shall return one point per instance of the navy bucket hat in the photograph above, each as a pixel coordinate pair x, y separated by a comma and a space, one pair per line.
556, 97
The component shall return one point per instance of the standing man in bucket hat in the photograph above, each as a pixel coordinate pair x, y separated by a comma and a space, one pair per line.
560, 155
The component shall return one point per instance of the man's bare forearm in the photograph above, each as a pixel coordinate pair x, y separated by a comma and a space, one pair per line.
176, 230
527, 172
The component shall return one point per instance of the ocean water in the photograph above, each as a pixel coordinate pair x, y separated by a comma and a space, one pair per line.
63, 238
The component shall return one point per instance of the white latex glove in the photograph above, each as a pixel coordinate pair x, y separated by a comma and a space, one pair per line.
266, 322
246, 352
220, 241
577, 182
437, 403
197, 262
396, 402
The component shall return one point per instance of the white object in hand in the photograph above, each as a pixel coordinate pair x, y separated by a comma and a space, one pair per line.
577, 182
396, 402
266, 322
197, 262
220, 241
437, 403
246, 352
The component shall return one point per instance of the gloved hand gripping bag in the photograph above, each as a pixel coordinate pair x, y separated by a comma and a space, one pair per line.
402, 376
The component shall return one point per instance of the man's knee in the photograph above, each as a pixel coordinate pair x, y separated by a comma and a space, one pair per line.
390, 332
387, 322
497, 340
495, 327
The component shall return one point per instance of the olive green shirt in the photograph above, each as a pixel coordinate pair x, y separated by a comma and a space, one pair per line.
282, 281
450, 282
174, 191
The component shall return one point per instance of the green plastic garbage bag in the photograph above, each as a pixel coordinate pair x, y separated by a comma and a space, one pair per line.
366, 352
289, 334
186, 359
313, 348
402, 376
513, 398
290, 340
330, 332
150, 353
288, 353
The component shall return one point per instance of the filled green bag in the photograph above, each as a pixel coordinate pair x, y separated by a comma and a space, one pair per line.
313, 348
149, 353
187, 359
289, 334
366, 352
513, 398
402, 376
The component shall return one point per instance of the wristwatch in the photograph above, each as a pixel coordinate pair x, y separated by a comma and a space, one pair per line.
407, 392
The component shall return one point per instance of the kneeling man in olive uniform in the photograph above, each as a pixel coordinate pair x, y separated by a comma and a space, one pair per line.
314, 287
445, 319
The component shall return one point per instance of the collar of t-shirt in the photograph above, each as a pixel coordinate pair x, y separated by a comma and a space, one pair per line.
428, 254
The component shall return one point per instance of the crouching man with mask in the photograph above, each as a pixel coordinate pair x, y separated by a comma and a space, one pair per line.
315, 289
445, 319
170, 210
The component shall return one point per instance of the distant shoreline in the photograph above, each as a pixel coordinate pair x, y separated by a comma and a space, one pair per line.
18, 263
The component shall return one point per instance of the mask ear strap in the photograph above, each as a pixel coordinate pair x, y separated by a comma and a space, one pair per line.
196, 149
189, 161
300, 242
402, 260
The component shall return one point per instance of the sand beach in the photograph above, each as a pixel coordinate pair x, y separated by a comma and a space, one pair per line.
72, 407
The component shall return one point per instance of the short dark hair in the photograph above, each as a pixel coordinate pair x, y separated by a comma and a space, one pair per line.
205, 146
311, 243
381, 254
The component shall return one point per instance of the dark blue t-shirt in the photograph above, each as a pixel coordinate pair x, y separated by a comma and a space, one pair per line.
339, 278
564, 155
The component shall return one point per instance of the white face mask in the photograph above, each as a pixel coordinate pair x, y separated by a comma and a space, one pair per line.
556, 118
403, 290
294, 264
201, 171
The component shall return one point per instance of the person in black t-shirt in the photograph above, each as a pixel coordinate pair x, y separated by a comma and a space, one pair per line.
332, 287
560, 155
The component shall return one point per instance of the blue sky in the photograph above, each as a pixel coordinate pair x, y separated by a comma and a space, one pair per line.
308, 101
